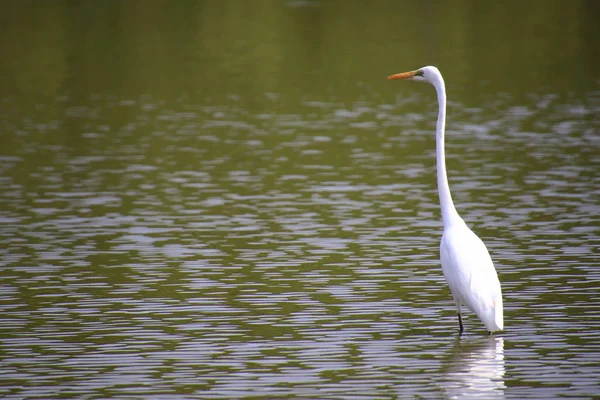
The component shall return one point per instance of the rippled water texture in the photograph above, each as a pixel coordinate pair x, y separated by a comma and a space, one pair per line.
276, 243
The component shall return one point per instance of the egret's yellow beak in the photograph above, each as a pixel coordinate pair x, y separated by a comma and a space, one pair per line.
403, 75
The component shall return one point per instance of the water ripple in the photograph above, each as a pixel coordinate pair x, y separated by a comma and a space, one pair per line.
296, 255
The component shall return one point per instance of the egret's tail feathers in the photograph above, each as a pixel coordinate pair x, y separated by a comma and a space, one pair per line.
499, 313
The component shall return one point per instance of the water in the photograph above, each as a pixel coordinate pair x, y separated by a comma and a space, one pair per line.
182, 224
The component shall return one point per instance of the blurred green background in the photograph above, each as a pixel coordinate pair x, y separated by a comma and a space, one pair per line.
212, 49
219, 195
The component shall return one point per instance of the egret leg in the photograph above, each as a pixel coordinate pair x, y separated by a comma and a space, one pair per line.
460, 324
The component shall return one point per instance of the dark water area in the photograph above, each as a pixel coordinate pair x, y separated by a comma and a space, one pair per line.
228, 200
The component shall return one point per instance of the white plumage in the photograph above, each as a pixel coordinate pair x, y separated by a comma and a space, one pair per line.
470, 273
466, 263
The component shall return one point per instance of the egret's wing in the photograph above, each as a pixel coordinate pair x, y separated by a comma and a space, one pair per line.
470, 272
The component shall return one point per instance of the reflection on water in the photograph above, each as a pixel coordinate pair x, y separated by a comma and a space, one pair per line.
475, 369
232, 262
174, 228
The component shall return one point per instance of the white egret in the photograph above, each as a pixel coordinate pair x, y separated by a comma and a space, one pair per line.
466, 263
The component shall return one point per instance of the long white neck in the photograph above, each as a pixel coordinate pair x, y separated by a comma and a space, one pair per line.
449, 212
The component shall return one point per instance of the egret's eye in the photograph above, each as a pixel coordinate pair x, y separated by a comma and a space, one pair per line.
419, 73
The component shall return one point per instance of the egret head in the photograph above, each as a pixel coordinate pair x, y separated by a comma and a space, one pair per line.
426, 74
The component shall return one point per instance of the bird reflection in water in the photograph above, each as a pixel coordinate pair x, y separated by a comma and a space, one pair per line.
475, 369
